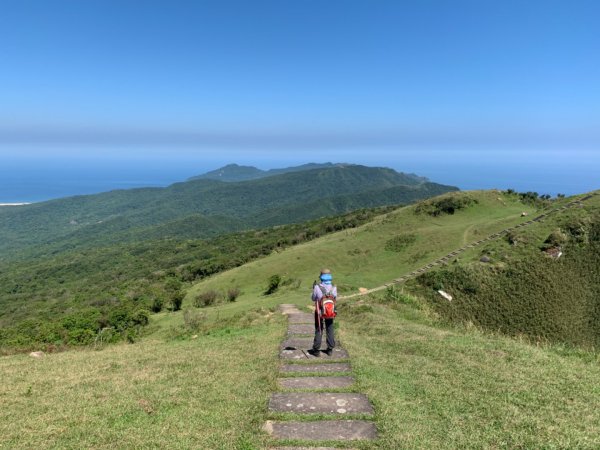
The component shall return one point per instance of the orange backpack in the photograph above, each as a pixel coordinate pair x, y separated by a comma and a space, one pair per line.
327, 304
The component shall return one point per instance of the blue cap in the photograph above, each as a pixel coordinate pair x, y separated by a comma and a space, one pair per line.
326, 277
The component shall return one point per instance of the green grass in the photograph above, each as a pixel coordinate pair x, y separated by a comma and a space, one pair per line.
440, 388
432, 387
210, 392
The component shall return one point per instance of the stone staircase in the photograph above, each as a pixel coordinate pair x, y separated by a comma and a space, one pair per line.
315, 391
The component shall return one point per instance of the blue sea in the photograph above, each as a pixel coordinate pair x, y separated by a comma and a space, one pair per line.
34, 179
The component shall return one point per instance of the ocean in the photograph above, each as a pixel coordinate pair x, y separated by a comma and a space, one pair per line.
34, 180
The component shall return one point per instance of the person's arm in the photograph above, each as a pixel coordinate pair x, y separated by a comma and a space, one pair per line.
317, 294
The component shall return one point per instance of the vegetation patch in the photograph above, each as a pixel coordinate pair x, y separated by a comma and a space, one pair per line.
68, 299
445, 204
400, 242
544, 299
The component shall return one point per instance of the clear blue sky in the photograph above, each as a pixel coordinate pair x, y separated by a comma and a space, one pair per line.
345, 78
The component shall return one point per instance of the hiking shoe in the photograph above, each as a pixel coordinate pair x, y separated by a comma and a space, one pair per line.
315, 353
328, 352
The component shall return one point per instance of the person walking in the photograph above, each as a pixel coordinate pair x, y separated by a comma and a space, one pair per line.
324, 296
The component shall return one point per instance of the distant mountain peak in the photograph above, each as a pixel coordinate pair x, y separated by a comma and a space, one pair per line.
234, 172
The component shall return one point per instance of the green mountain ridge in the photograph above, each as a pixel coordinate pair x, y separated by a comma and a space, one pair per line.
125, 215
235, 172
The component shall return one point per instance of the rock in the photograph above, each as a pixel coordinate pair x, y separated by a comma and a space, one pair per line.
445, 295
316, 382
36, 354
320, 403
554, 252
339, 430
485, 259
524, 214
363, 290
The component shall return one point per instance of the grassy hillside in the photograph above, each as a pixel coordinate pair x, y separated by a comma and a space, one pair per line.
521, 290
68, 298
207, 387
360, 258
131, 215
200, 378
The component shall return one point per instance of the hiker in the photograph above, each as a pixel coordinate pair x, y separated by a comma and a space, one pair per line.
324, 296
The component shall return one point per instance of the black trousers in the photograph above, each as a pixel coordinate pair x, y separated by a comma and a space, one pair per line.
327, 326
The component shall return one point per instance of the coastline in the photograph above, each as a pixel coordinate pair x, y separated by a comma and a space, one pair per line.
14, 204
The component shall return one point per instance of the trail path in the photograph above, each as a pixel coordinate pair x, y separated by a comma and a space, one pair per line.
455, 253
317, 386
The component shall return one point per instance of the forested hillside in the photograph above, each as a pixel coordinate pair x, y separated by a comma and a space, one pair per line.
203, 208
69, 298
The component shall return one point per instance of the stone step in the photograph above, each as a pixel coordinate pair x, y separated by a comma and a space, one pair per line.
289, 309
296, 318
316, 368
305, 343
320, 403
308, 448
338, 354
296, 343
323, 430
301, 329
316, 382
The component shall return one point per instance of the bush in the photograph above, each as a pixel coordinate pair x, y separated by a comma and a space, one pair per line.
555, 239
140, 317
233, 294
176, 300
206, 298
193, 319
157, 305
273, 285
447, 204
400, 242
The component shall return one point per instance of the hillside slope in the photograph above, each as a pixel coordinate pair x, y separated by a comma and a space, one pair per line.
519, 289
360, 258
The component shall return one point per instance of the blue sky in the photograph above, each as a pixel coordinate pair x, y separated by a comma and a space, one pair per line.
350, 80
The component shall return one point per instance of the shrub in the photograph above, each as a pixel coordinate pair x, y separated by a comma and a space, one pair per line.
157, 305
193, 319
273, 284
206, 298
176, 299
140, 317
233, 294
400, 242
447, 204
555, 239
